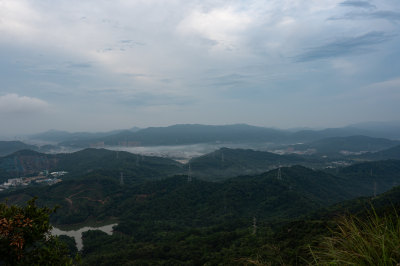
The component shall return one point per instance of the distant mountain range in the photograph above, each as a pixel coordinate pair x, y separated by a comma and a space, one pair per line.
193, 133
347, 145
389, 130
61, 136
27, 162
187, 134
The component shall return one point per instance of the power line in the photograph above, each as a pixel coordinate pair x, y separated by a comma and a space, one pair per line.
254, 225
279, 177
121, 179
189, 174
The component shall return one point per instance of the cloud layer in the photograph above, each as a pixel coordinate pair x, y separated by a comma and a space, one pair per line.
160, 62
15, 104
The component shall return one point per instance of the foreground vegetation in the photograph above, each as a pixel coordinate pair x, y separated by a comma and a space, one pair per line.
370, 240
25, 237
272, 218
371, 237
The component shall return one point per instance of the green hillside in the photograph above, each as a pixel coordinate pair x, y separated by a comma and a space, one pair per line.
367, 178
194, 202
8, 147
352, 144
28, 162
224, 163
272, 217
391, 153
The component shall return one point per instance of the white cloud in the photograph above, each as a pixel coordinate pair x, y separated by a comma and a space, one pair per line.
18, 18
121, 54
388, 89
345, 66
13, 103
222, 25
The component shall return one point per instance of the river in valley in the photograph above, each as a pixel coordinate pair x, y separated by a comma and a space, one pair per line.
77, 234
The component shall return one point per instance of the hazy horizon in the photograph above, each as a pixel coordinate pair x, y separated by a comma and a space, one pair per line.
361, 125
99, 65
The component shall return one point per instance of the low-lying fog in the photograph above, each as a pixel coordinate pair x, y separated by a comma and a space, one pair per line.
181, 153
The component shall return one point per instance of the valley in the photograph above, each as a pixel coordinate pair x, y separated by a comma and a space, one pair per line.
195, 204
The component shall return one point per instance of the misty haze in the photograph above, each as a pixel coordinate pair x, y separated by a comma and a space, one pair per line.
199, 132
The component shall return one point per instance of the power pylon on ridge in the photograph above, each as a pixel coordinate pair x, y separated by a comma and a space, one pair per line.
189, 174
121, 179
254, 225
279, 177
374, 183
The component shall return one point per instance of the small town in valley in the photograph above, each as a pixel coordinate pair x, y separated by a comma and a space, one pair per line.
42, 178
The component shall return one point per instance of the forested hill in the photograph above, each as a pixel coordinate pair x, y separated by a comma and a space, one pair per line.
8, 147
339, 145
388, 201
391, 153
375, 177
181, 220
28, 162
196, 202
224, 163
280, 193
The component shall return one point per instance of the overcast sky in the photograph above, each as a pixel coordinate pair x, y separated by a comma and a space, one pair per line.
96, 65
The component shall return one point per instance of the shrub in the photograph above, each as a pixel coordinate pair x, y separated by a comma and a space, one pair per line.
25, 237
372, 240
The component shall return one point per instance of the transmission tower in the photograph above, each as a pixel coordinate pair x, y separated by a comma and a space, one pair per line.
121, 179
279, 177
254, 225
374, 183
225, 207
189, 174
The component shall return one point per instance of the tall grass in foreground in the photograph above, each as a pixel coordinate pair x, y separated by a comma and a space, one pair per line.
372, 240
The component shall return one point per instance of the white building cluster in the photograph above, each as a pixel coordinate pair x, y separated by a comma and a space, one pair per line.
42, 178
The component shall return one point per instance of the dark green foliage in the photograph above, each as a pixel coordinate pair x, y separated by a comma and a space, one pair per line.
335, 145
25, 237
210, 246
225, 163
391, 153
174, 221
27, 162
131, 164
364, 178
70, 243
8, 147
